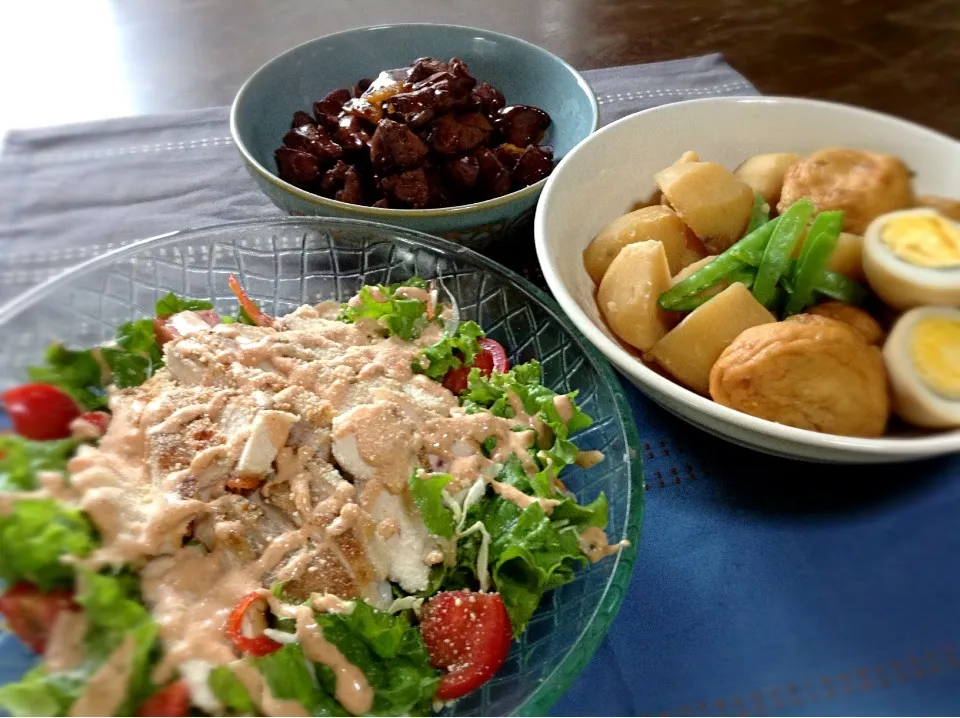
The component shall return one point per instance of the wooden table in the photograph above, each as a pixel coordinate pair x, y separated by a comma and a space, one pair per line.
73, 60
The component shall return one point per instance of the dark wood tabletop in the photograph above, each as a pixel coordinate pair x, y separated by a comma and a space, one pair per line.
73, 60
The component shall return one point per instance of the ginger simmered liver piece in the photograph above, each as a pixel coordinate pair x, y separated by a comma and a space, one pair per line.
394, 146
428, 135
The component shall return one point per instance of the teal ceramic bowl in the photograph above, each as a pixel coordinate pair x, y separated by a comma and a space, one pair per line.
525, 73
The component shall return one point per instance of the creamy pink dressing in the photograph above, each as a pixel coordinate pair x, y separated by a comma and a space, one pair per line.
563, 406
257, 688
84, 430
421, 295
65, 645
328, 603
331, 421
522, 418
452, 445
192, 594
388, 527
352, 689
522, 500
106, 689
596, 545
589, 458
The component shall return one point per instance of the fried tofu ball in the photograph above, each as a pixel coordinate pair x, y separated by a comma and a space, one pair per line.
862, 184
864, 324
949, 208
815, 373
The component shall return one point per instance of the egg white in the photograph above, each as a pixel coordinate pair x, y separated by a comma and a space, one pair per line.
903, 285
913, 400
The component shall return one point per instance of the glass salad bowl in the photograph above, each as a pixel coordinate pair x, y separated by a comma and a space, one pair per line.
284, 263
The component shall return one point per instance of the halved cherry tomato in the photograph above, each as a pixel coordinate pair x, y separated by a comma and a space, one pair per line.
491, 358
468, 635
171, 700
164, 329
258, 644
31, 614
249, 306
40, 411
501, 364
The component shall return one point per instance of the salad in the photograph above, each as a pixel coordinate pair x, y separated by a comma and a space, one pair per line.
349, 510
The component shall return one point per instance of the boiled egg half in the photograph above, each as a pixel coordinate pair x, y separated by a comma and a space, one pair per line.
912, 258
922, 354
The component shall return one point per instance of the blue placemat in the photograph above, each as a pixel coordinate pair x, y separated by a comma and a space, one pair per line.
765, 586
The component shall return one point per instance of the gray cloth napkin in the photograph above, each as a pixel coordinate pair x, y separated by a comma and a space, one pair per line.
70, 193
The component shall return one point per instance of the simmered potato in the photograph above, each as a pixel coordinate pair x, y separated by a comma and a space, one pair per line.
709, 199
657, 223
947, 207
764, 173
689, 350
688, 156
628, 294
689, 270
847, 256
657, 196
694, 251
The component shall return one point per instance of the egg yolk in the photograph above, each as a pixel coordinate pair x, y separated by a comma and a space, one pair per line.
935, 352
925, 240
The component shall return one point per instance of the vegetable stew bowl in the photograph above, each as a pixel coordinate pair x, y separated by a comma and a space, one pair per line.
284, 263
525, 73
614, 168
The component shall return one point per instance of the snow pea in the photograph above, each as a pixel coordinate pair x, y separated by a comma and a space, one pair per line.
779, 250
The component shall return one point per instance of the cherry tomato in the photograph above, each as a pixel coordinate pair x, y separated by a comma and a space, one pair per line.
40, 411
468, 635
249, 306
501, 364
171, 700
456, 379
257, 645
164, 330
31, 614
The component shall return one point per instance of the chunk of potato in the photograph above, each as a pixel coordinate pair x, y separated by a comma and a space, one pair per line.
764, 173
688, 156
656, 223
947, 207
710, 199
847, 257
691, 269
656, 197
689, 350
628, 294
694, 250
688, 271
